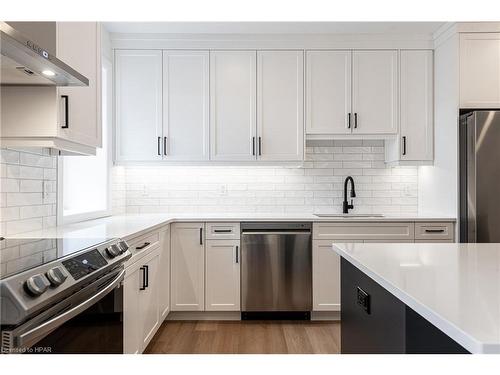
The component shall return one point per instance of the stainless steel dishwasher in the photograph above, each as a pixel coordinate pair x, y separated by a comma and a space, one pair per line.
276, 270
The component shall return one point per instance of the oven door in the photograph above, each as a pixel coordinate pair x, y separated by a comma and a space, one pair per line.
88, 322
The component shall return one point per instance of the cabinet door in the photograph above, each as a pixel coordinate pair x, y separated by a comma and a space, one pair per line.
480, 70
138, 93
186, 105
326, 276
280, 102
328, 92
375, 92
132, 337
222, 275
164, 274
417, 130
232, 105
79, 46
148, 298
188, 267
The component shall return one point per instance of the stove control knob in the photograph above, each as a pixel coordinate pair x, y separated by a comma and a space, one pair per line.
123, 246
113, 251
36, 285
57, 276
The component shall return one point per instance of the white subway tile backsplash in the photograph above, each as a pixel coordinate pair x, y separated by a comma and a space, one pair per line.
23, 172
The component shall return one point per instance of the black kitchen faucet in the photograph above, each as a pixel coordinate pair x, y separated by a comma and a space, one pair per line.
345, 205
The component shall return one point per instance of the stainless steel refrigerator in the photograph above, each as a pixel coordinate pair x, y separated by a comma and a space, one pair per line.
480, 176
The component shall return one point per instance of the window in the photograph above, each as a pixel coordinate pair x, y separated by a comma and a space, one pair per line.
85, 181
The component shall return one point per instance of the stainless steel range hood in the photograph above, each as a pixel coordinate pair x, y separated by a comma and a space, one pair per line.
25, 63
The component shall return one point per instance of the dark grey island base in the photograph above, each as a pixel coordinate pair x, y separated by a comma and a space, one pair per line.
373, 321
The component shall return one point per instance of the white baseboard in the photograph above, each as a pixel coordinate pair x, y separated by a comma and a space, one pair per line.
325, 315
236, 315
204, 315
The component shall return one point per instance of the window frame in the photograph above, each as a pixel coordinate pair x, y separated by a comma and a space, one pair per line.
108, 211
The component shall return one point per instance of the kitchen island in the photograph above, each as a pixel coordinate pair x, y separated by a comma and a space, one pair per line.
420, 298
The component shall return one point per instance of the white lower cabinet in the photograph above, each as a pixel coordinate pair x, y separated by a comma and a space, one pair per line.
188, 267
326, 277
222, 275
164, 274
140, 302
326, 262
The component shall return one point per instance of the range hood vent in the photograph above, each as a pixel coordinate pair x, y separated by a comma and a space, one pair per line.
25, 63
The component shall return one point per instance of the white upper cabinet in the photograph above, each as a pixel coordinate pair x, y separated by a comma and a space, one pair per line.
138, 96
375, 92
328, 92
280, 102
417, 103
232, 105
480, 70
79, 46
186, 105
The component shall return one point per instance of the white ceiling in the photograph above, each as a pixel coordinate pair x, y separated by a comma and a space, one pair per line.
274, 27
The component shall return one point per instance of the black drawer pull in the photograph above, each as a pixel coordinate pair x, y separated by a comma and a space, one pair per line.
223, 230
143, 246
434, 231
201, 236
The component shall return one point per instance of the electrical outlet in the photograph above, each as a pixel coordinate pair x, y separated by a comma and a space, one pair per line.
223, 190
406, 190
47, 189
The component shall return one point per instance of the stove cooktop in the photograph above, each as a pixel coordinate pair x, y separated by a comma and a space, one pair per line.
19, 255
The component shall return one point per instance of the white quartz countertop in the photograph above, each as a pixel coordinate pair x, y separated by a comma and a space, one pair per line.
456, 287
124, 226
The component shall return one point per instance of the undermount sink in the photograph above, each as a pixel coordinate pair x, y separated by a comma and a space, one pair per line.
348, 215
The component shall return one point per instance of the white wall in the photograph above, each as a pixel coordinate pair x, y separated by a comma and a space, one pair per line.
438, 184
316, 187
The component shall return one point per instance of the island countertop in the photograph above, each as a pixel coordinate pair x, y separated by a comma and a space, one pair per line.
456, 287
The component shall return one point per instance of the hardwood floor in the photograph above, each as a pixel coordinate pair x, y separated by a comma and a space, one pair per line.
246, 337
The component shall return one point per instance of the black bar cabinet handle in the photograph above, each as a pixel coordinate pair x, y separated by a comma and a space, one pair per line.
159, 145
143, 246
164, 145
201, 236
253, 146
434, 231
223, 230
237, 255
260, 146
355, 120
404, 145
143, 287
348, 121
146, 269
66, 112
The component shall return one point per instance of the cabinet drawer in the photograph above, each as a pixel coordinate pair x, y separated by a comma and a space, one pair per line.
223, 231
434, 231
363, 231
140, 246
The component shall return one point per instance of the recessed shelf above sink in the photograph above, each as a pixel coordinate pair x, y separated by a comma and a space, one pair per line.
348, 215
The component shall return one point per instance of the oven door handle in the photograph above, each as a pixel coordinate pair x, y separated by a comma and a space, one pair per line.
42, 330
